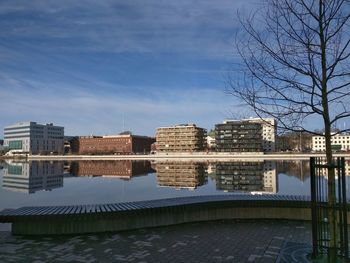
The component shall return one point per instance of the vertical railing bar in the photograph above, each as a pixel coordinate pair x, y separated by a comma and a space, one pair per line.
313, 208
345, 209
339, 207
320, 203
324, 194
319, 221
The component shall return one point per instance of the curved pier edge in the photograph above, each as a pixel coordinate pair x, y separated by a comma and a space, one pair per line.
58, 220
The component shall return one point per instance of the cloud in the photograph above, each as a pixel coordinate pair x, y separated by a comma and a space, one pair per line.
85, 111
88, 64
205, 28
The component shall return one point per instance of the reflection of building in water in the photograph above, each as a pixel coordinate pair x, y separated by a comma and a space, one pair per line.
211, 168
181, 175
246, 176
270, 177
324, 171
118, 169
239, 176
299, 169
33, 176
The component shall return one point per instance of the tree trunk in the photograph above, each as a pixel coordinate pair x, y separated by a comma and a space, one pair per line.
332, 219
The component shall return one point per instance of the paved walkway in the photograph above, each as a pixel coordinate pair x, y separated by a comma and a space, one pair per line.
218, 241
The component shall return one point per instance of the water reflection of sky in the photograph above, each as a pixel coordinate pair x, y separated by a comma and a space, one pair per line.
58, 183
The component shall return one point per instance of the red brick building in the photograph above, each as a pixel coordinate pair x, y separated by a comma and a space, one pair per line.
115, 144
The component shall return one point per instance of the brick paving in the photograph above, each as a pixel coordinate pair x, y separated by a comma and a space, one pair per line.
215, 241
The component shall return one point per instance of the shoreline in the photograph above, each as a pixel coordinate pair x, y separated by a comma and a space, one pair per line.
178, 156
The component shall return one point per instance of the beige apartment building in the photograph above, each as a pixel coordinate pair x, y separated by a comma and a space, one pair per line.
181, 138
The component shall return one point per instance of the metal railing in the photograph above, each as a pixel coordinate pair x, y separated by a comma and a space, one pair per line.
321, 207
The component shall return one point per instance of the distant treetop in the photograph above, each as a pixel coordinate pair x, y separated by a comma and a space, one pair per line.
126, 133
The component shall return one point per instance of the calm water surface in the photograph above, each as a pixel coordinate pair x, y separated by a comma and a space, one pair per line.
93, 182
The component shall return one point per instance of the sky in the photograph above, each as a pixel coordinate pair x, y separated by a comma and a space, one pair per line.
101, 67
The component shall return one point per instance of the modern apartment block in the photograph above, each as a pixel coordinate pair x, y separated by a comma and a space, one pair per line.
239, 136
112, 144
33, 138
33, 176
269, 132
181, 138
340, 142
247, 135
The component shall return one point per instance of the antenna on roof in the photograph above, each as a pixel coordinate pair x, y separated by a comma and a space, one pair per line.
123, 121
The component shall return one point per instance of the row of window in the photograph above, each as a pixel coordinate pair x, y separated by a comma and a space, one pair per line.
333, 138
16, 128
15, 132
316, 142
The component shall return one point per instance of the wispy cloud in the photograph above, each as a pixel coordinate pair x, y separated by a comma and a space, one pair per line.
86, 64
86, 111
125, 26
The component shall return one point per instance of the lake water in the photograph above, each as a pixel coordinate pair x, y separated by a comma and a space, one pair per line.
96, 182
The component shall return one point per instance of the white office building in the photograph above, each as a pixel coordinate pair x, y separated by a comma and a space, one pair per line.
339, 142
34, 138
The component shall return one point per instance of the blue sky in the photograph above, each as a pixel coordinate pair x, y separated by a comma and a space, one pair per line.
87, 65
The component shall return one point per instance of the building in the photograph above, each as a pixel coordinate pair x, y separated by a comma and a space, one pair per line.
34, 138
112, 144
247, 135
238, 136
211, 143
123, 169
67, 144
33, 176
181, 138
181, 175
269, 132
339, 142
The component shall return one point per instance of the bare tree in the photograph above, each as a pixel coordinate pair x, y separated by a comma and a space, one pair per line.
296, 67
